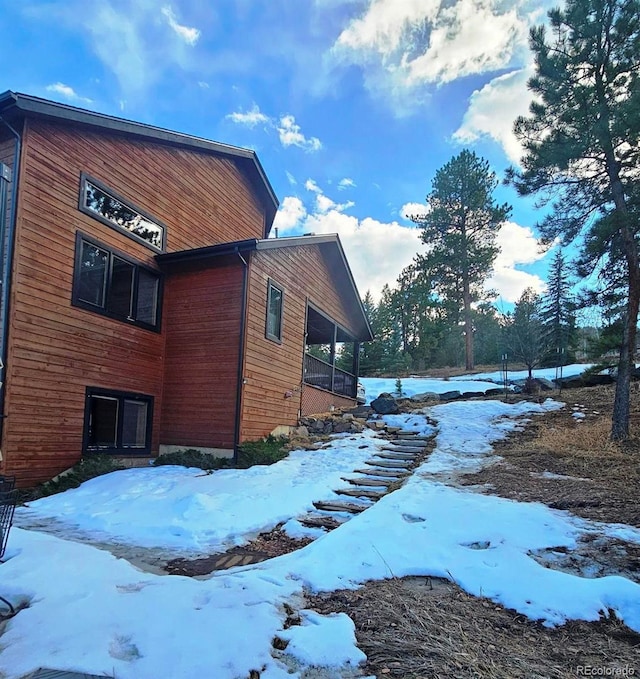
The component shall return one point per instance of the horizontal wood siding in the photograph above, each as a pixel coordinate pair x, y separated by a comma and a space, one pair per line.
57, 350
202, 322
273, 372
315, 401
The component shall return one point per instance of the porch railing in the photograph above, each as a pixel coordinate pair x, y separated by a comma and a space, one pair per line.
321, 374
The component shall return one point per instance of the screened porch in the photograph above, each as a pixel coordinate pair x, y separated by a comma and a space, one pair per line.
327, 345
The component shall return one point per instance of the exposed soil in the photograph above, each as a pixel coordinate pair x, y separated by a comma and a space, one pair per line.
569, 463
264, 546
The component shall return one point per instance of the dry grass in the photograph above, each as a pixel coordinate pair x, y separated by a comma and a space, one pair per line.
416, 627
603, 476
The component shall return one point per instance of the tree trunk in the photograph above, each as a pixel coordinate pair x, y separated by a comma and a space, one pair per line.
626, 362
621, 403
468, 325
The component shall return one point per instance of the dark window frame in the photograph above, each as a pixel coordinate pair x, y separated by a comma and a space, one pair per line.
102, 309
84, 178
271, 285
120, 396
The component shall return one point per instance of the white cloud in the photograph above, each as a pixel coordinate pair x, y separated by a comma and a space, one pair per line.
129, 38
324, 204
67, 92
289, 131
249, 118
428, 41
346, 183
377, 251
311, 185
383, 27
511, 283
518, 246
409, 210
291, 178
189, 35
291, 135
467, 38
290, 214
493, 109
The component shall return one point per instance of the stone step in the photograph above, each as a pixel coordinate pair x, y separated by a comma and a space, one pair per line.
413, 435
320, 521
405, 449
368, 482
335, 506
361, 492
384, 473
406, 443
391, 454
388, 464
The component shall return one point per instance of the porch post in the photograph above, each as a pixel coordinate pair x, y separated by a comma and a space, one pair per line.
332, 356
355, 369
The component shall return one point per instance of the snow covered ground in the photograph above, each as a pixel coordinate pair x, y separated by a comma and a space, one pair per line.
480, 382
88, 611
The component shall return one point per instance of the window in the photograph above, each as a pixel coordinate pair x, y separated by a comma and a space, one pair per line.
113, 285
103, 204
117, 421
274, 312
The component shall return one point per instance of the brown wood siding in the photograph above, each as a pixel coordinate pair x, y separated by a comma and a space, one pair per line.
203, 199
202, 322
315, 401
273, 372
57, 350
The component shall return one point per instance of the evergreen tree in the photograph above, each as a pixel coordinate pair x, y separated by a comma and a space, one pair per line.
582, 144
460, 227
558, 313
390, 333
489, 340
371, 352
417, 313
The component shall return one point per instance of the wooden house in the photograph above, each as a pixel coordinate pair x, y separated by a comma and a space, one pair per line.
143, 306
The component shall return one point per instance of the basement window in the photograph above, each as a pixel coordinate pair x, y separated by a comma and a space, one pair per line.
117, 422
113, 285
275, 296
105, 205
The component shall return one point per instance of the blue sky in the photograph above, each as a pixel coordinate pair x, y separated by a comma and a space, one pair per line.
351, 105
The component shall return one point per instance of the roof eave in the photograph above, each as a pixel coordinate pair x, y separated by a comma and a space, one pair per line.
247, 158
327, 240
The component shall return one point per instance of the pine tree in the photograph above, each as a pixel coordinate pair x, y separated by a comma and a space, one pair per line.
460, 226
371, 352
582, 144
417, 312
558, 313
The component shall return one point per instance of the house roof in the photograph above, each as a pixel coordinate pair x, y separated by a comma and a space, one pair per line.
329, 244
16, 105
